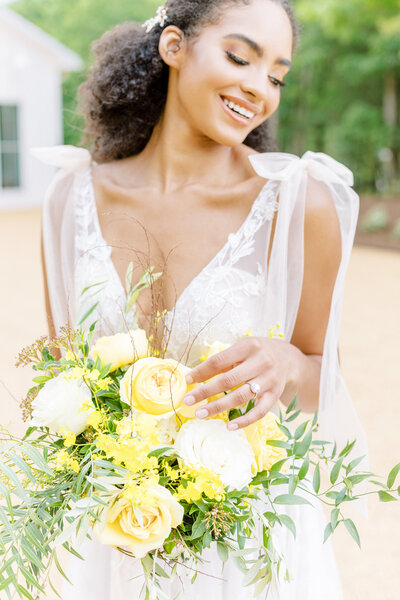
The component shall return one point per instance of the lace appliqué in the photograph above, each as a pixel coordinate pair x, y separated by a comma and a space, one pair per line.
221, 302
94, 265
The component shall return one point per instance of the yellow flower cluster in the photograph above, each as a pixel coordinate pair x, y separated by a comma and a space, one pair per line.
65, 461
199, 480
69, 437
138, 488
85, 374
258, 434
137, 437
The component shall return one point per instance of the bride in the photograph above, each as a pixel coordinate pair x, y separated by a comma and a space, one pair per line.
179, 178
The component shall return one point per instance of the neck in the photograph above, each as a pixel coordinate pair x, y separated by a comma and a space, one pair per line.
176, 155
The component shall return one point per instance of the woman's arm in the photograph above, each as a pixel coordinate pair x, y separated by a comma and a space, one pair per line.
282, 369
49, 316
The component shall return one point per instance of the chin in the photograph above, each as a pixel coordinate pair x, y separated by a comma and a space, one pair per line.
227, 138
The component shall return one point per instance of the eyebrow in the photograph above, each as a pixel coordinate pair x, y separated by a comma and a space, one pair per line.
256, 47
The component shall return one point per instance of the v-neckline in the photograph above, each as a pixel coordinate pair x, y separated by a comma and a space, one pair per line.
228, 241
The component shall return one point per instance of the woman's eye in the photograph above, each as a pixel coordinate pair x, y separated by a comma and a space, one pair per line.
276, 82
236, 59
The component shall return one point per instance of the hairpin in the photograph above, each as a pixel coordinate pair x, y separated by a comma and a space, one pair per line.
160, 19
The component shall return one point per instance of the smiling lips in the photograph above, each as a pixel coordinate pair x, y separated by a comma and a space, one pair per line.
239, 110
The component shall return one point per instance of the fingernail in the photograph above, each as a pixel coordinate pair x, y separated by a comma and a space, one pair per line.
189, 400
189, 379
202, 413
233, 426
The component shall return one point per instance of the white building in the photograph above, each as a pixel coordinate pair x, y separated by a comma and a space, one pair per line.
31, 67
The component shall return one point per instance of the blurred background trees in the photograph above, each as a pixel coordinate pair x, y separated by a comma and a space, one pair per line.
343, 93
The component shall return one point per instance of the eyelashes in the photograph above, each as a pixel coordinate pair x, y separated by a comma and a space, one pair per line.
236, 59
240, 61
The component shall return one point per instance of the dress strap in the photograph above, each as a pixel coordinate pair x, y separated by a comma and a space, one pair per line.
68, 158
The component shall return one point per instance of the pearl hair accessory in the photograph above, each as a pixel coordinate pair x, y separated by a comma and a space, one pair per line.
160, 19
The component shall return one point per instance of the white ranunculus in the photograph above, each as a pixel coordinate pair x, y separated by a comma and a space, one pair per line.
210, 444
58, 405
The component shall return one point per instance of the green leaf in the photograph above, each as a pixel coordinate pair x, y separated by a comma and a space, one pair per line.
278, 465
355, 479
199, 528
301, 429
290, 499
89, 287
386, 497
37, 458
328, 532
293, 416
128, 277
354, 463
352, 529
304, 467
347, 449
22, 465
88, 313
341, 496
293, 481
336, 470
392, 476
223, 552
278, 444
301, 448
317, 479
289, 523
292, 405
334, 517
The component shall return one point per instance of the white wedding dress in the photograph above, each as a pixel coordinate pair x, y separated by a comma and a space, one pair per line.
234, 293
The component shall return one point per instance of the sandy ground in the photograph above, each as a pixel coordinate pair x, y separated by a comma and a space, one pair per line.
370, 358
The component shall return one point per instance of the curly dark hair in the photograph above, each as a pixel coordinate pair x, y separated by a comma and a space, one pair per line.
124, 96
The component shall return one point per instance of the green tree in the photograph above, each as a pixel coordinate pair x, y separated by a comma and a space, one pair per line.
344, 91
77, 23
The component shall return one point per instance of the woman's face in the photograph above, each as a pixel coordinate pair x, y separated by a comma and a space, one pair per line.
229, 81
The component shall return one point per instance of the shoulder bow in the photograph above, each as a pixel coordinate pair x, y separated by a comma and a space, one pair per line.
68, 158
281, 166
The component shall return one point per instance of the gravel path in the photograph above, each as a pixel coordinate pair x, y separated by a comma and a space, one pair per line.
370, 359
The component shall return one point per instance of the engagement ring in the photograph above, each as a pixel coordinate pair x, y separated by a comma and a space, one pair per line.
255, 388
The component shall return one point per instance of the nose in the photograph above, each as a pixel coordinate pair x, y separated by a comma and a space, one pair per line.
256, 85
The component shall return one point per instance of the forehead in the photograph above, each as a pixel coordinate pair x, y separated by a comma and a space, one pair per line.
264, 21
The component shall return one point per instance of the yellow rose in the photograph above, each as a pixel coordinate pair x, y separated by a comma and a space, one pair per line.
212, 349
158, 514
258, 433
121, 349
155, 386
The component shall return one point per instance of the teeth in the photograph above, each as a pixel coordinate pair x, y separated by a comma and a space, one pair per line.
239, 109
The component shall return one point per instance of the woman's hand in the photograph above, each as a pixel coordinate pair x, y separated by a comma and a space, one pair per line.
271, 363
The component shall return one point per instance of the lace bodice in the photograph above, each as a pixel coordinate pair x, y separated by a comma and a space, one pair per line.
221, 303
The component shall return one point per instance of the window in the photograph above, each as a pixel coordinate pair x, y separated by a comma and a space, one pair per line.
9, 154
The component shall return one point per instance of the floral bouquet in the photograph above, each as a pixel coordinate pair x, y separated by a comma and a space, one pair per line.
113, 453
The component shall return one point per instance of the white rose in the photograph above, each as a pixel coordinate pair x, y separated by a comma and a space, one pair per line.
210, 444
58, 405
167, 429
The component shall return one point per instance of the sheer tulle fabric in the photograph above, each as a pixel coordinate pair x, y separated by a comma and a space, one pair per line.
234, 293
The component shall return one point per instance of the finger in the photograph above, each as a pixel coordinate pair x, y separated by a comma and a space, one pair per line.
241, 396
262, 407
224, 382
219, 363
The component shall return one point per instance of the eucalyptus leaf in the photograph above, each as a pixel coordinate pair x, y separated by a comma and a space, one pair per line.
352, 529
290, 499
317, 479
386, 497
392, 476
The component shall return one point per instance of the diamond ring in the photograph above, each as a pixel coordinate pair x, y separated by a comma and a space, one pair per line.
255, 388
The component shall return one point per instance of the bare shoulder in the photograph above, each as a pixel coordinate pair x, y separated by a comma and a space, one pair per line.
321, 223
